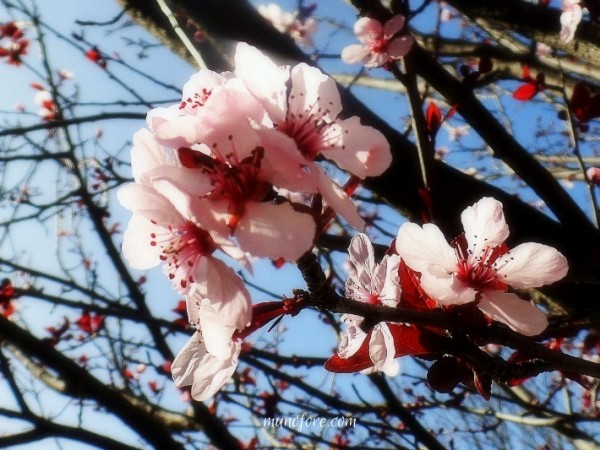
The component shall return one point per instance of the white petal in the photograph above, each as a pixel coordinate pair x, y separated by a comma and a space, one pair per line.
391, 291
425, 249
520, 315
352, 339
531, 265
188, 360
136, 243
382, 350
275, 231
360, 253
446, 289
484, 224
212, 373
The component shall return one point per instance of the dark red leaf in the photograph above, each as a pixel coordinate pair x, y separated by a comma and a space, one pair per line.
446, 373
483, 385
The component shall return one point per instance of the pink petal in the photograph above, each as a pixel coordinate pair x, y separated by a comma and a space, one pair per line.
219, 325
146, 154
275, 231
425, 249
484, 224
393, 26
400, 46
368, 30
356, 53
264, 79
313, 94
284, 165
226, 293
365, 151
531, 265
171, 128
520, 315
338, 200
377, 60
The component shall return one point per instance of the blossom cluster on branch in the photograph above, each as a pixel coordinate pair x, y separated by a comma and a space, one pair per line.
230, 173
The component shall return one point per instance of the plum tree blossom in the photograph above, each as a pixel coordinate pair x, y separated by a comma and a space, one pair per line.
569, 19
376, 284
479, 267
301, 31
379, 43
303, 107
206, 373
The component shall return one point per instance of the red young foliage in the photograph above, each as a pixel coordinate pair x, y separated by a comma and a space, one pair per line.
532, 86
583, 104
95, 56
90, 324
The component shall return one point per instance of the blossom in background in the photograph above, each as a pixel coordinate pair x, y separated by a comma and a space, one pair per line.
301, 31
479, 267
303, 124
569, 19
593, 174
376, 284
379, 43
14, 50
47, 107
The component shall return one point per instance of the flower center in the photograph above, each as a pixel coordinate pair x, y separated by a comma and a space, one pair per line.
310, 129
182, 249
233, 180
476, 267
379, 45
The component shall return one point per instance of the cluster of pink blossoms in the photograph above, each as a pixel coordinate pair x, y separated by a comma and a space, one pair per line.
476, 269
216, 179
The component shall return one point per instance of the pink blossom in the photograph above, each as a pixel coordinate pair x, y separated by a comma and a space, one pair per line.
377, 284
167, 228
210, 357
379, 43
304, 124
233, 176
479, 267
593, 174
301, 31
569, 19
